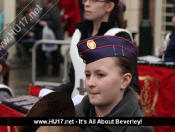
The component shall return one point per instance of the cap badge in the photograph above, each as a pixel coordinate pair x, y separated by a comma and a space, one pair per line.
91, 44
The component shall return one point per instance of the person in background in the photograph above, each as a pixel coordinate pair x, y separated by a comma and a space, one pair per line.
109, 93
101, 16
27, 31
5, 90
50, 16
169, 54
21, 5
70, 14
26, 36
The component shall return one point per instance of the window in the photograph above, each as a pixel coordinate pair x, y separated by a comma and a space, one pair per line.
167, 14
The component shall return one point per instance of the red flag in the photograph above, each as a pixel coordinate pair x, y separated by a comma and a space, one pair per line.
157, 84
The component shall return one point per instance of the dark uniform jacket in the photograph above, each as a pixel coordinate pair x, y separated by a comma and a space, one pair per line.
170, 51
127, 107
85, 28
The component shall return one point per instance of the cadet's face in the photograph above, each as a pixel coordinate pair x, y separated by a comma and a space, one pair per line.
95, 10
103, 82
173, 20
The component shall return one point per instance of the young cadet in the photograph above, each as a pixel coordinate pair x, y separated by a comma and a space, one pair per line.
102, 16
109, 71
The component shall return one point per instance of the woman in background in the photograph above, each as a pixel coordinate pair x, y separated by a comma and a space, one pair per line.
5, 91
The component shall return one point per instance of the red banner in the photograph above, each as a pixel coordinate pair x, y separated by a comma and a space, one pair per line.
157, 86
8, 112
34, 90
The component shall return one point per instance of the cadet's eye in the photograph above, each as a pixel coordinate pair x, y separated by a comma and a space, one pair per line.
101, 75
87, 74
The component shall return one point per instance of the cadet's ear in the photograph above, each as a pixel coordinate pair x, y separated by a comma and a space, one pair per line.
1, 68
110, 6
126, 80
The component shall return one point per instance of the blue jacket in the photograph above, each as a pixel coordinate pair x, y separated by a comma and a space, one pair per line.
170, 51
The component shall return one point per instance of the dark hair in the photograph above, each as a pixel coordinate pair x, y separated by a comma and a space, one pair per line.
117, 13
127, 66
27, 10
5, 71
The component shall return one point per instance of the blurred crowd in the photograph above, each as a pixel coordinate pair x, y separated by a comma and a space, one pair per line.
55, 17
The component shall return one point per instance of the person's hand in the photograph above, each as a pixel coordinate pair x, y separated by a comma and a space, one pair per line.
43, 23
31, 34
160, 50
